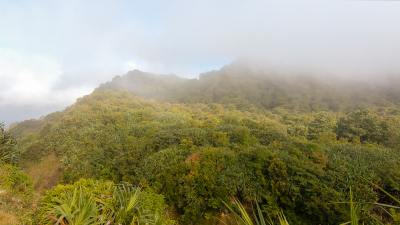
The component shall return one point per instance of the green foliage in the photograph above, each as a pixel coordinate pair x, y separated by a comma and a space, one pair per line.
8, 150
100, 202
237, 87
16, 192
12, 179
245, 219
290, 146
353, 215
128, 198
76, 209
364, 126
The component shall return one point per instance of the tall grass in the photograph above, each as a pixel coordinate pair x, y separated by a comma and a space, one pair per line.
392, 213
354, 220
243, 218
353, 214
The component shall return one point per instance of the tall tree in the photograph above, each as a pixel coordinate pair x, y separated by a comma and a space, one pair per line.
8, 151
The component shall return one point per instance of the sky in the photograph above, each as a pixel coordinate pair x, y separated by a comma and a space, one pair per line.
53, 52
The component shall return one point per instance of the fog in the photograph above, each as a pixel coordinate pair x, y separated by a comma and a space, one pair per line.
53, 52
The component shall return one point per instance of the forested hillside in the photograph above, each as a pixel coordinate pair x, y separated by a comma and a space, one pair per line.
295, 146
244, 87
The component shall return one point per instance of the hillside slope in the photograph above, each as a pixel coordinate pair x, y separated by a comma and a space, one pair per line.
245, 88
291, 145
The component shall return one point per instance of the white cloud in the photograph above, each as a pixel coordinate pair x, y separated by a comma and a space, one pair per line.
63, 50
26, 78
131, 65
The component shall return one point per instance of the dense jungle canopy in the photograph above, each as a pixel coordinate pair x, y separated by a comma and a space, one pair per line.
291, 144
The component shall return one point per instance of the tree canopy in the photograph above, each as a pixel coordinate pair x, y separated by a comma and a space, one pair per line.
296, 146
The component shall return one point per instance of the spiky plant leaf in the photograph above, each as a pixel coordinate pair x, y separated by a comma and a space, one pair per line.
78, 208
129, 201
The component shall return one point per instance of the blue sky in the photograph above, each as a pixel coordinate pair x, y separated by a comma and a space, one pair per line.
53, 52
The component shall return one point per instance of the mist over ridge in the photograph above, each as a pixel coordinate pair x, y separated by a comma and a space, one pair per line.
173, 88
187, 112
258, 84
227, 132
55, 52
